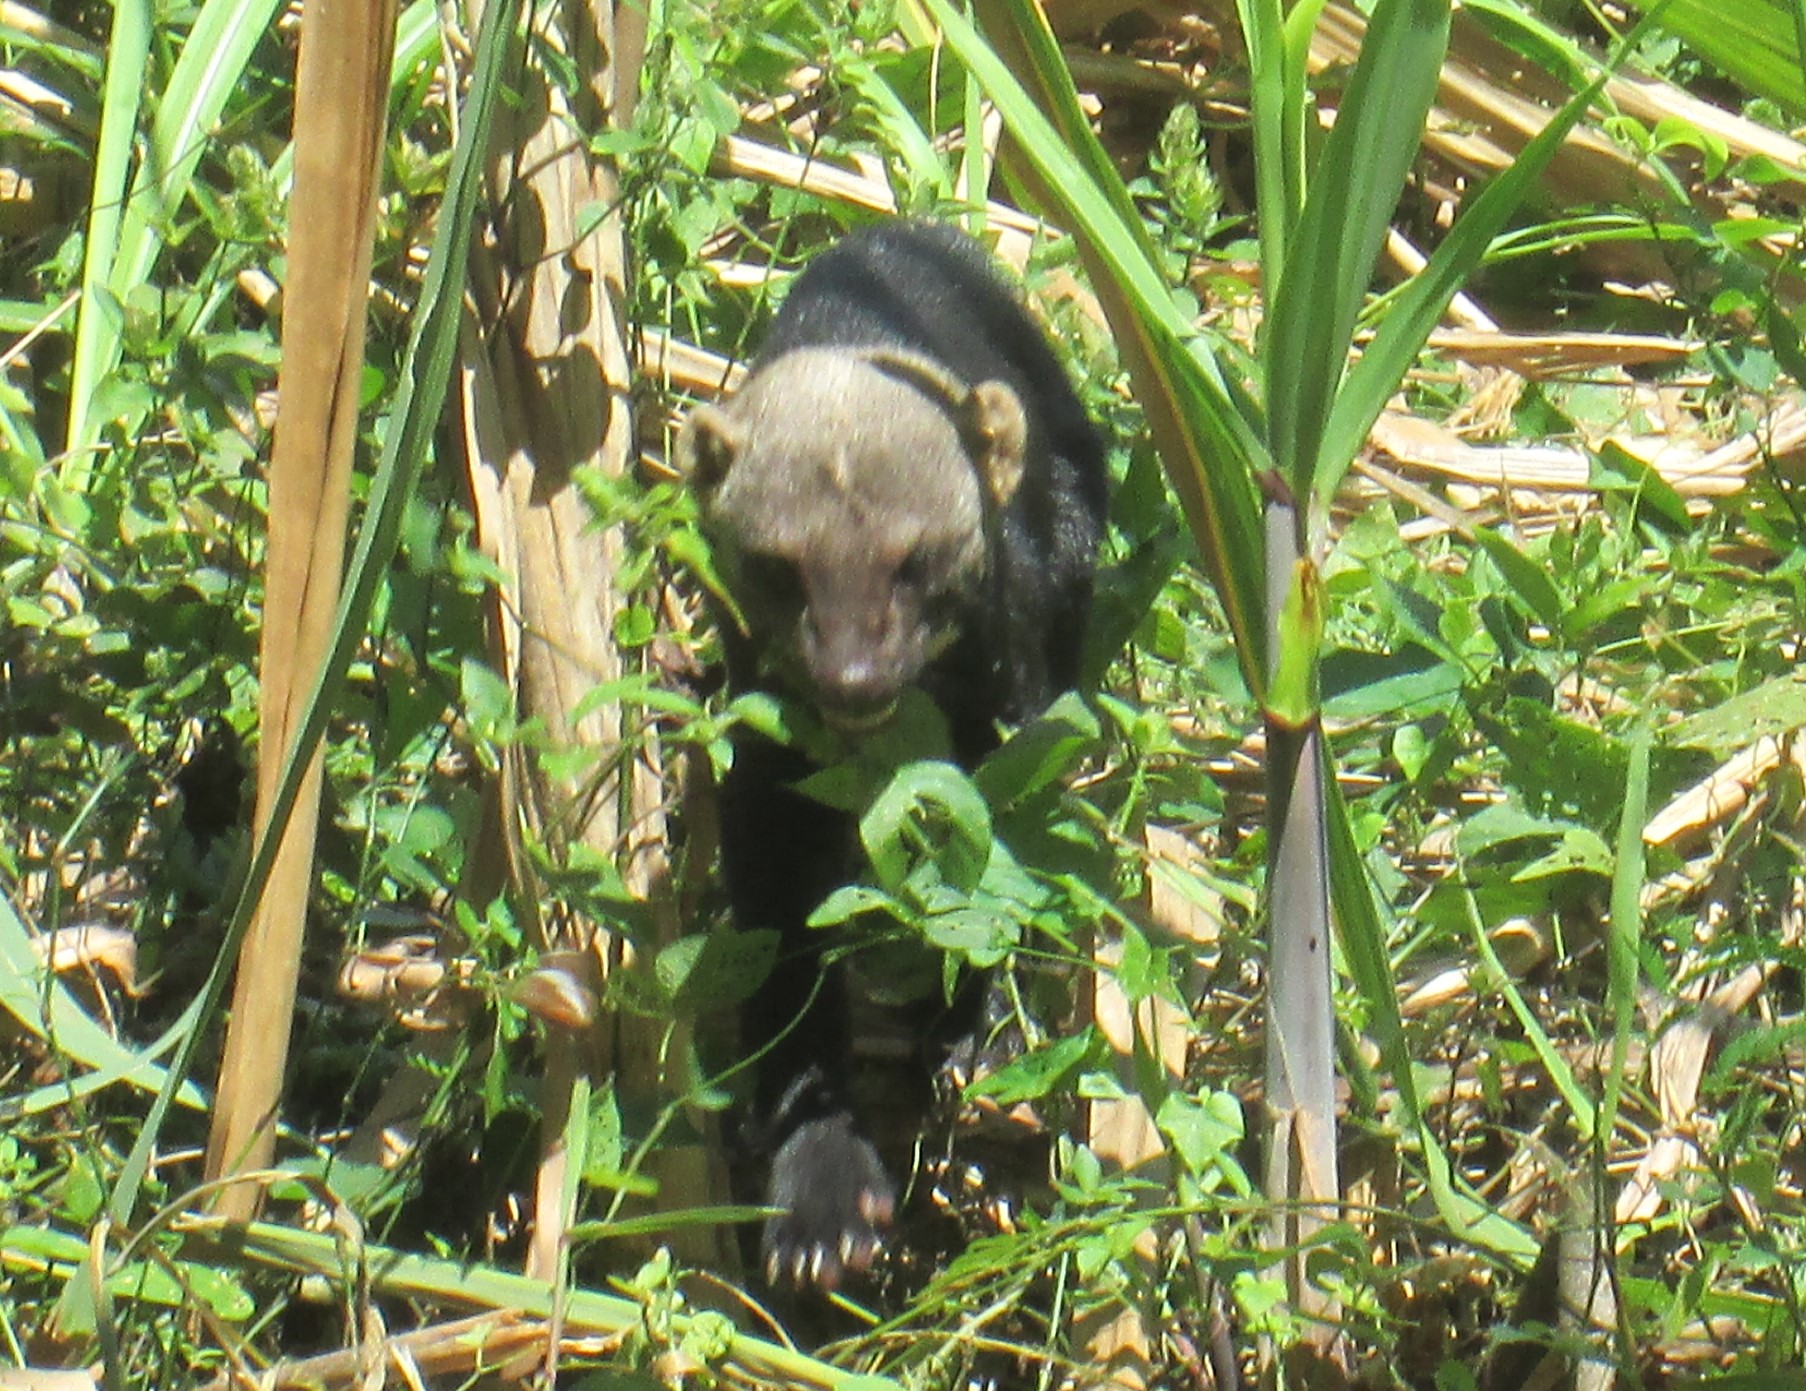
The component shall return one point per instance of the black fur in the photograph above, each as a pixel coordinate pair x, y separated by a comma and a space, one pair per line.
932, 293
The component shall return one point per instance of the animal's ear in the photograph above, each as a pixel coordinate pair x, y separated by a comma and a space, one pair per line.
707, 445
999, 427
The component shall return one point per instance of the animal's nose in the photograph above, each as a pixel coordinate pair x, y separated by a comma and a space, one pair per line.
852, 665
853, 681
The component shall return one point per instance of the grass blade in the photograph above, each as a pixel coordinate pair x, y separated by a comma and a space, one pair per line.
97, 324
1353, 194
43, 1007
1277, 114
445, 1281
126, 234
1363, 936
1626, 931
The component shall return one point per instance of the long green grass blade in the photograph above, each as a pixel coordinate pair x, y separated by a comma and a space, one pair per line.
1626, 931
1021, 39
1580, 1106
212, 65
40, 1005
1274, 110
209, 71
1354, 191
399, 1273
1300, 110
1363, 936
97, 324
416, 40
1533, 38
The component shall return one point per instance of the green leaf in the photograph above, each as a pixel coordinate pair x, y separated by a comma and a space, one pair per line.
847, 903
1774, 708
1617, 469
1504, 823
1526, 33
1559, 765
1581, 851
1579, 1105
1528, 580
979, 933
713, 969
1754, 42
1039, 754
1040, 1073
1626, 931
928, 807
126, 234
1416, 685
98, 322
1278, 107
1205, 1134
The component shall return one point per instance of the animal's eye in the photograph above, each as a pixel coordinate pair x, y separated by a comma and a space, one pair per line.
916, 569
770, 580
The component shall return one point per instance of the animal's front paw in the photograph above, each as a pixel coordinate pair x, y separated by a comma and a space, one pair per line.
835, 1195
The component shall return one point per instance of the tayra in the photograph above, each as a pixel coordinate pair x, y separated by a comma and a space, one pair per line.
906, 492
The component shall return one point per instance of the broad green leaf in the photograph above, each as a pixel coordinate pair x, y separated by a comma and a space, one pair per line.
931, 807
1410, 693
1559, 765
848, 902
1205, 1134
712, 970
1040, 753
1617, 469
1581, 850
1039, 1073
978, 934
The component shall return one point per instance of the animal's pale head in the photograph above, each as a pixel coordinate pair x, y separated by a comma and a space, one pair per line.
847, 494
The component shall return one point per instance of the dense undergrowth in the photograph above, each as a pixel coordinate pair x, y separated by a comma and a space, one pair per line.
1570, 561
